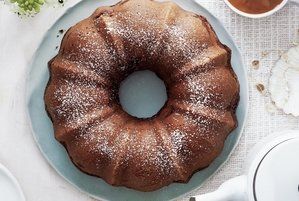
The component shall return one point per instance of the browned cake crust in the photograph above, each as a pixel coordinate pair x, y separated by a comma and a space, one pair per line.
82, 94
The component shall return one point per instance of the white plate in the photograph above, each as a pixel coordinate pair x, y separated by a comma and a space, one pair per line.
10, 189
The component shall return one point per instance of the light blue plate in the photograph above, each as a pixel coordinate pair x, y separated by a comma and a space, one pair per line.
56, 154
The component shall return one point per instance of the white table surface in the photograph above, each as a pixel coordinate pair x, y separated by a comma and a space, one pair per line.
19, 39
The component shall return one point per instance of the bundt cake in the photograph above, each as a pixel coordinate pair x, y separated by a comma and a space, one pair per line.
98, 53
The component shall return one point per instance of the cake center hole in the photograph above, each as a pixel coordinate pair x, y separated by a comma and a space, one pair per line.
142, 94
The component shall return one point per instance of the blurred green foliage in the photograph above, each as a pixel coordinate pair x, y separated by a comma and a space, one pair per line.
29, 5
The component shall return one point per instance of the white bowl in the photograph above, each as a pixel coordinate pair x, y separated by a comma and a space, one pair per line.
266, 14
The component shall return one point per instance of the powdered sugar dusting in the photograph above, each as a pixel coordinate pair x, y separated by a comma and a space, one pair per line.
98, 137
146, 38
202, 92
151, 151
78, 103
177, 139
90, 51
155, 37
180, 45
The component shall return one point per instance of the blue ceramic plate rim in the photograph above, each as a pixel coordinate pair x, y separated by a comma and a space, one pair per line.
93, 186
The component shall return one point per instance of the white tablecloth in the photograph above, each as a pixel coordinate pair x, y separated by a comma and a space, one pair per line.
19, 39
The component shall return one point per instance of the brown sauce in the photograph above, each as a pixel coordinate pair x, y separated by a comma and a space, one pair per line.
255, 6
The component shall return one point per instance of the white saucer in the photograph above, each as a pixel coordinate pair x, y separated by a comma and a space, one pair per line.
10, 189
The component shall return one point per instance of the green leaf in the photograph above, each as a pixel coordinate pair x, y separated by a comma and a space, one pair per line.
29, 6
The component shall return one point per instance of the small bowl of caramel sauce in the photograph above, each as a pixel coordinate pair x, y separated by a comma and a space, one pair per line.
256, 8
